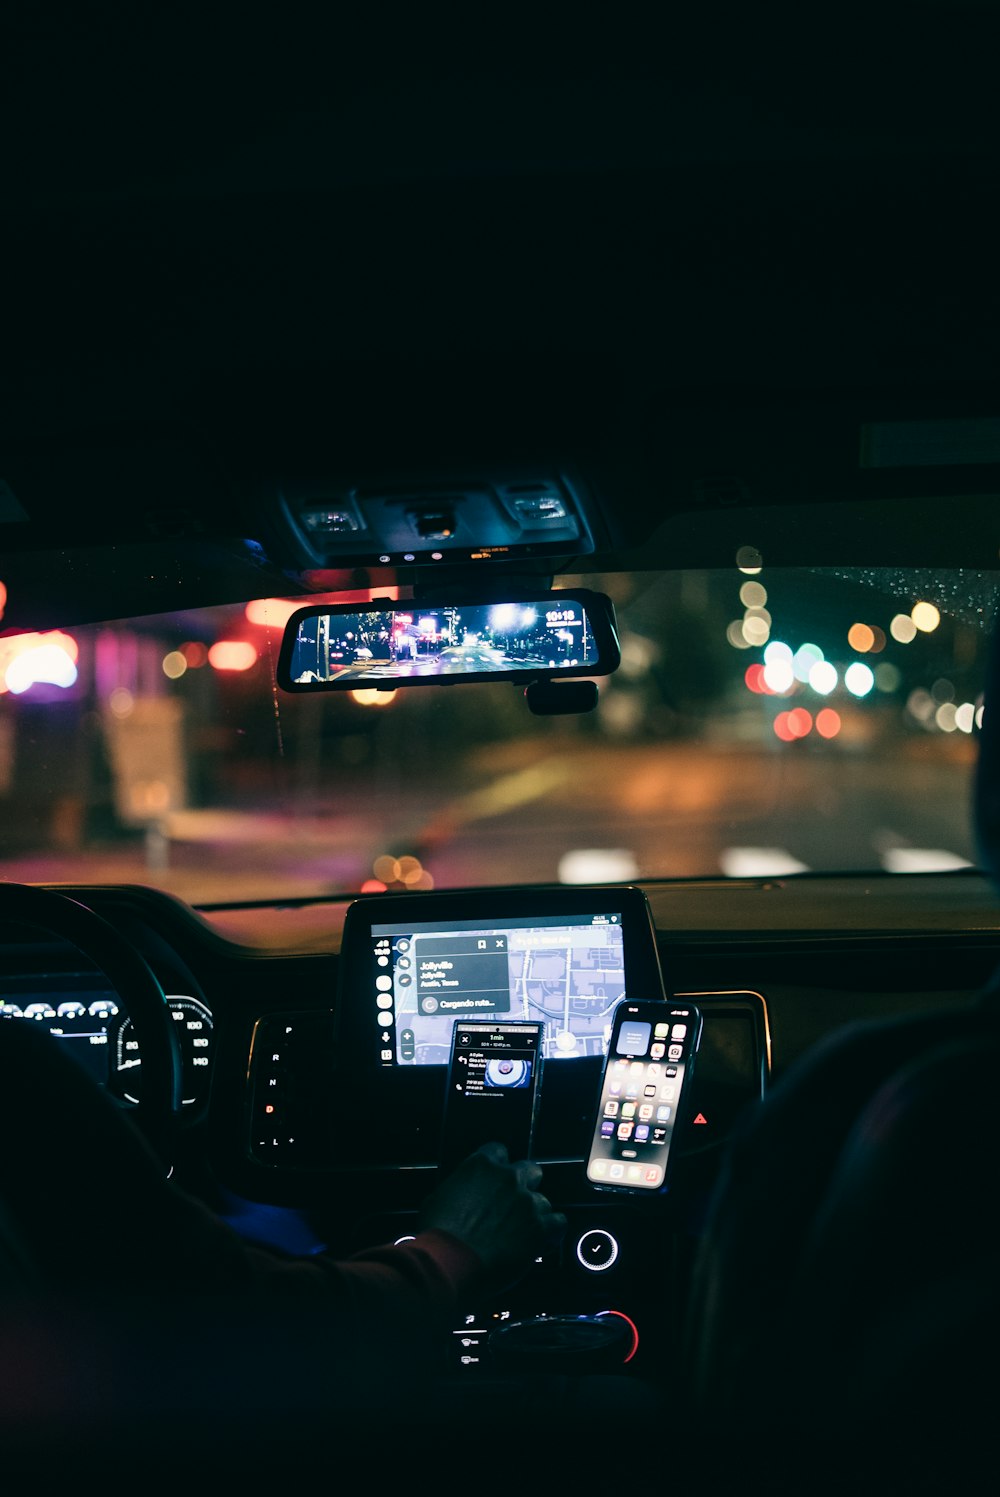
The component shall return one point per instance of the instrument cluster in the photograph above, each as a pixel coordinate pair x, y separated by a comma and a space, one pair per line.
93, 1026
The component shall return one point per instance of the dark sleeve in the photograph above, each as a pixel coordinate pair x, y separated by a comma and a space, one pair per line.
393, 1303
96, 1213
433, 1272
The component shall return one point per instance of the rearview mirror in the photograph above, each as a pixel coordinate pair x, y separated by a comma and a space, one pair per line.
385, 645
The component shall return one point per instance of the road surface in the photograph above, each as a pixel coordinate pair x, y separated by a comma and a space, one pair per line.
574, 813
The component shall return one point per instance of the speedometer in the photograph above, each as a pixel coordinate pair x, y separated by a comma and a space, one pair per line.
195, 1029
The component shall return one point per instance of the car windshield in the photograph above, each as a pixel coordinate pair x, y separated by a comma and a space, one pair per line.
764, 722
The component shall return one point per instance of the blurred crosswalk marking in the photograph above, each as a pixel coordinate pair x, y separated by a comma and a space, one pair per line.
757, 862
921, 860
597, 865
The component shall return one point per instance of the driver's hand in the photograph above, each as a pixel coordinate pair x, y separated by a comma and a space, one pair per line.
497, 1208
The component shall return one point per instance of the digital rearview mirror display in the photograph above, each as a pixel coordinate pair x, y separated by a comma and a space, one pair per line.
561, 633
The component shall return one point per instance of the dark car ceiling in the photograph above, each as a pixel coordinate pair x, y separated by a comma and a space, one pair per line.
688, 275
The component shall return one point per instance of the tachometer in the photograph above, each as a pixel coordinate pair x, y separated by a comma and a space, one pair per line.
196, 1027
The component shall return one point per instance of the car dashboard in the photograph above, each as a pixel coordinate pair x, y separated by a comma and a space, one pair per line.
311, 1109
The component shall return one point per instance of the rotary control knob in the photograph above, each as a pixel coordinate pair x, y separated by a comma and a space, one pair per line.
597, 1249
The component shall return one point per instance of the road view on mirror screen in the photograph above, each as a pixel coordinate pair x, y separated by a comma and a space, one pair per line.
466, 640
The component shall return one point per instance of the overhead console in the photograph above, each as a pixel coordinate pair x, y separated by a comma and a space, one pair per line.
511, 516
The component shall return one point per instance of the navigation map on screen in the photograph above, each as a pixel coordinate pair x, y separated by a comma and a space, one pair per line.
568, 976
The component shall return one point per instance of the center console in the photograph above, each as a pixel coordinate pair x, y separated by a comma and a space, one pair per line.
348, 1100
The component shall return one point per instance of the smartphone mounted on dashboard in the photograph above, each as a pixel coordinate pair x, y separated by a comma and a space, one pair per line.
645, 1084
494, 1079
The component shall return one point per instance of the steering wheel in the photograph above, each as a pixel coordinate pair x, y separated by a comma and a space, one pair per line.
134, 984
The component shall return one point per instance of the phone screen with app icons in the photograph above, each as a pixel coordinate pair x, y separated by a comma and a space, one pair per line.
644, 1083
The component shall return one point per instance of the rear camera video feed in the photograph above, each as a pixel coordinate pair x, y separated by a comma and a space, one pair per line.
473, 639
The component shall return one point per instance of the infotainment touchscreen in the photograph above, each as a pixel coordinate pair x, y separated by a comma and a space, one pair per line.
556, 955
416, 963
560, 956
567, 974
